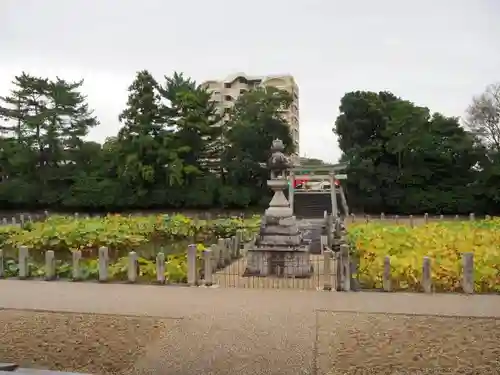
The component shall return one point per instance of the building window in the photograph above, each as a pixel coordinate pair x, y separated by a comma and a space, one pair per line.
227, 85
228, 98
242, 91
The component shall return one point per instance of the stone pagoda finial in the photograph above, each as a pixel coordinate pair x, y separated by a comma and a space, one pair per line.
278, 163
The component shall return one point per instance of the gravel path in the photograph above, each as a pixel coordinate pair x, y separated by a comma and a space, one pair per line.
87, 343
382, 344
245, 331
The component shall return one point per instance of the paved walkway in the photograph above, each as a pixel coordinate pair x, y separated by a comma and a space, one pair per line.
229, 331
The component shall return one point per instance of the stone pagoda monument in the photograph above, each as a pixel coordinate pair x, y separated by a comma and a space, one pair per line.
279, 249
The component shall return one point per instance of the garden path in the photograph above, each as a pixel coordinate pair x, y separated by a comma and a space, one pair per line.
244, 331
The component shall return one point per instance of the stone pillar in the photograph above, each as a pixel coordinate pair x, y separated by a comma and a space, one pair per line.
221, 260
192, 272
208, 270
76, 272
133, 267
50, 265
280, 240
24, 268
468, 273
327, 269
160, 268
2, 271
427, 275
103, 263
333, 192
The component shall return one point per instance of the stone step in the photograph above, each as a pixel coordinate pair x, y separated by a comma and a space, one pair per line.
311, 205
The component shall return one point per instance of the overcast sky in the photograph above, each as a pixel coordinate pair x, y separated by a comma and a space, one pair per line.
437, 53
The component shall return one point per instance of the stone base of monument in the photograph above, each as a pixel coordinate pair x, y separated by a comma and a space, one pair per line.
296, 264
280, 249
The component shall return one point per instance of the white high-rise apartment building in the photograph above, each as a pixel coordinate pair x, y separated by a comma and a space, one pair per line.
225, 92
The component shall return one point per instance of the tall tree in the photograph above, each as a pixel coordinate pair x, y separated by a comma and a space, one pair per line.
483, 116
193, 119
401, 159
253, 123
48, 120
142, 142
196, 128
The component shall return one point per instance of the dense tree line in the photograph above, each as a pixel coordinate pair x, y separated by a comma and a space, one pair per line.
175, 148
405, 159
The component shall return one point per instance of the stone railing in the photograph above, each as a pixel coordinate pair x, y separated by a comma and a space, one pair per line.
410, 219
349, 266
199, 271
22, 219
342, 266
217, 257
